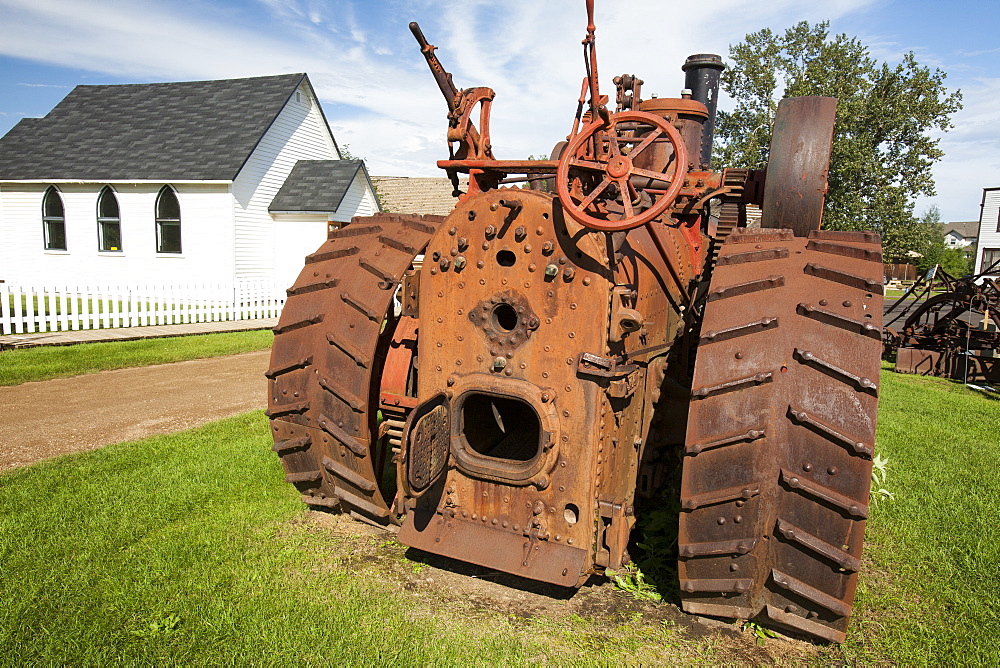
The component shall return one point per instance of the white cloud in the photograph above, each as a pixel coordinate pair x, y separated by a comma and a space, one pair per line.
379, 95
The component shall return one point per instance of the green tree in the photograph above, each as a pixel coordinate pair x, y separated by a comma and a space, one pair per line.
882, 151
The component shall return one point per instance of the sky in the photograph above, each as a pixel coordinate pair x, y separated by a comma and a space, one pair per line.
381, 101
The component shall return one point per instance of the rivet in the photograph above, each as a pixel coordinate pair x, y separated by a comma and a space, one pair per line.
721, 521
452, 231
586, 280
832, 470
823, 302
740, 503
532, 267
539, 230
480, 265
847, 303
486, 245
739, 356
738, 519
527, 248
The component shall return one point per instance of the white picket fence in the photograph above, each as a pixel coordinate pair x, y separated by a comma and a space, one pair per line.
30, 309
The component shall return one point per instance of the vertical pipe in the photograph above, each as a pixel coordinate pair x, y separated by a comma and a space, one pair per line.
701, 76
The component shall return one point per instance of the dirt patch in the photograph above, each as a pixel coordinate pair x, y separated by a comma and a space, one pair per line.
597, 610
56, 417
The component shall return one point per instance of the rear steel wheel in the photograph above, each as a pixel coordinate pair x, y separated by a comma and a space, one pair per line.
326, 363
781, 430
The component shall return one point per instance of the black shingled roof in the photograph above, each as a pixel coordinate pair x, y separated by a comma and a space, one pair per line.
161, 131
316, 185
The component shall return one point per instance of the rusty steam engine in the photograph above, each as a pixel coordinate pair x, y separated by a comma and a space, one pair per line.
580, 326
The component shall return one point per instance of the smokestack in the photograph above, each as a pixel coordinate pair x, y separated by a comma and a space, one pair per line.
701, 75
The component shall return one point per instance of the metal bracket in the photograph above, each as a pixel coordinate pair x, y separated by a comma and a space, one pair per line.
588, 364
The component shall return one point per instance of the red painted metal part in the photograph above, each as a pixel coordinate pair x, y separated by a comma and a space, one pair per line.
398, 368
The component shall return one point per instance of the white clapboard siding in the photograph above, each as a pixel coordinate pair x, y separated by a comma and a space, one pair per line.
206, 236
989, 225
359, 200
30, 309
298, 133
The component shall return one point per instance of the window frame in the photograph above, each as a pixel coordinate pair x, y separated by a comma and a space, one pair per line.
163, 221
48, 220
104, 221
986, 265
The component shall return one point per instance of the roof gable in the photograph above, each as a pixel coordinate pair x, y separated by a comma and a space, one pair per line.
166, 131
966, 230
316, 186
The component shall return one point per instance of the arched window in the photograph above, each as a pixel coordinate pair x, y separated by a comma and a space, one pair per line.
53, 220
168, 221
109, 223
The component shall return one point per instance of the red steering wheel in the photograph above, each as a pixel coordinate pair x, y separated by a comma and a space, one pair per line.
581, 182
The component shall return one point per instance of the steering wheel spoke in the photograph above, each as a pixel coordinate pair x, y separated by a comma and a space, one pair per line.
589, 199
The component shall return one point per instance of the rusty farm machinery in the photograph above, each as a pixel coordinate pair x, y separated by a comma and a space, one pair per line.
949, 327
512, 384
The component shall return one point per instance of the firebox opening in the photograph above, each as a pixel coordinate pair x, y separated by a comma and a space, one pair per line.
501, 427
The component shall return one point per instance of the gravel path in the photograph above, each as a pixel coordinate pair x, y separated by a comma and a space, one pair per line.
53, 417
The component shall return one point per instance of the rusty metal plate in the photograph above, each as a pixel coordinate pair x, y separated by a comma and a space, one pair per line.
781, 430
427, 450
327, 358
922, 362
795, 187
512, 294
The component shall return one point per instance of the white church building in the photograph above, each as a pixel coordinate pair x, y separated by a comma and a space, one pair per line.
205, 182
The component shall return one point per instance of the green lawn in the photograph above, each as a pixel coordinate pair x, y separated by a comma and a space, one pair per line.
928, 593
21, 365
191, 549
